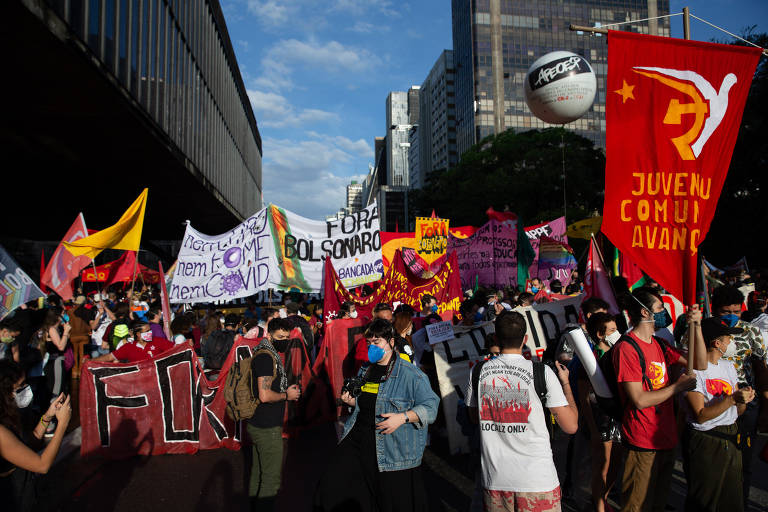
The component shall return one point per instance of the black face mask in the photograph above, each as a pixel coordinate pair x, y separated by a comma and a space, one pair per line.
280, 345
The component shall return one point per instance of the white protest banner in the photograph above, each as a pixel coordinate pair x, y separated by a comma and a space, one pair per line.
301, 246
440, 331
546, 321
455, 358
223, 267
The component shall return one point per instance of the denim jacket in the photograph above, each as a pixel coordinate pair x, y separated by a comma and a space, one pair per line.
406, 389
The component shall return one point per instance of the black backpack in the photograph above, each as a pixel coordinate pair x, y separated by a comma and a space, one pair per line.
613, 406
216, 347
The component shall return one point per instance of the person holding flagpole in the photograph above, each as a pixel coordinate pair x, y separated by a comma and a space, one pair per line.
648, 428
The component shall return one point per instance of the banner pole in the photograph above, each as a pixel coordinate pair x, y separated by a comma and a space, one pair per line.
165, 304
133, 281
686, 23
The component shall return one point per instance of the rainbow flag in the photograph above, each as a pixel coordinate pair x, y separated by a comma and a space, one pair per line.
16, 287
555, 254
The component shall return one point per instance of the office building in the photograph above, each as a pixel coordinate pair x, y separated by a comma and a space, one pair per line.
401, 116
354, 197
437, 121
496, 41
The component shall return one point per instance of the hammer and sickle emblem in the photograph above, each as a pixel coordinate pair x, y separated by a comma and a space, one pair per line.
708, 106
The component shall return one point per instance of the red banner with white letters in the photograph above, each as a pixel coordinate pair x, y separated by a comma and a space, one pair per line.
673, 111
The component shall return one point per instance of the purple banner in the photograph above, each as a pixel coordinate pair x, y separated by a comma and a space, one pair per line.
488, 256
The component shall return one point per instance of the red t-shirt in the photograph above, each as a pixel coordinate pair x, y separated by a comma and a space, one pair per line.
133, 353
653, 427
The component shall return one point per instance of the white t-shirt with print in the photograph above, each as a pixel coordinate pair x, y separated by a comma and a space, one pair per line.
716, 381
516, 453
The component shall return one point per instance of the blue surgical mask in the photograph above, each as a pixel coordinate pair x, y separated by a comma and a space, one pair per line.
730, 319
434, 308
661, 319
534, 290
65, 318
375, 353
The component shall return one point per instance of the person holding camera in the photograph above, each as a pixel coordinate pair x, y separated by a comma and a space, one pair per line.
377, 465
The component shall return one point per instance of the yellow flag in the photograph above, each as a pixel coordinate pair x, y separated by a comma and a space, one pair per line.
584, 228
125, 234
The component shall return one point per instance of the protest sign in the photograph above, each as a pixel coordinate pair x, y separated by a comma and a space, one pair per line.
455, 358
157, 406
440, 331
63, 267
431, 238
234, 264
301, 246
489, 256
401, 286
663, 179
16, 287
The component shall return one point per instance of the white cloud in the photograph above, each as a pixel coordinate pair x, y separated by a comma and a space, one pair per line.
360, 7
363, 27
275, 111
306, 176
329, 57
272, 12
359, 147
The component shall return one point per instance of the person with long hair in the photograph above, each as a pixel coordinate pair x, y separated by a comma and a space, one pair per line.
18, 463
377, 464
51, 340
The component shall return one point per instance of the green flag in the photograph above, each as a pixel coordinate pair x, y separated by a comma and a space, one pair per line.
525, 255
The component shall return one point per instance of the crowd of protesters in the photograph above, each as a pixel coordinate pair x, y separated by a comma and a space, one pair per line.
394, 409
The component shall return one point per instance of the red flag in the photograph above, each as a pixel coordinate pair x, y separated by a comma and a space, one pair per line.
43, 288
596, 280
631, 272
64, 267
673, 112
499, 216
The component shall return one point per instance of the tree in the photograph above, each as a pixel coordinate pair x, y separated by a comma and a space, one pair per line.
521, 172
738, 227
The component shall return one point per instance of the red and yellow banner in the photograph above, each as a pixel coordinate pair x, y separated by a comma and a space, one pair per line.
673, 111
431, 238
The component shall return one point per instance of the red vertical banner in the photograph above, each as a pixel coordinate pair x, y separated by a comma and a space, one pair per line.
673, 111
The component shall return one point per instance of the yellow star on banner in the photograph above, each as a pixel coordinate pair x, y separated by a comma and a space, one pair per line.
626, 92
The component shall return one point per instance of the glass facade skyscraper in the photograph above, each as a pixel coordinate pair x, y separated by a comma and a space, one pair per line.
496, 41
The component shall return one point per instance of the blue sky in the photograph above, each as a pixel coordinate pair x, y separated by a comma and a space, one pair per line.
318, 73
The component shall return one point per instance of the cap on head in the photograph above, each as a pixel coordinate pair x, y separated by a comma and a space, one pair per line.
121, 331
231, 320
713, 327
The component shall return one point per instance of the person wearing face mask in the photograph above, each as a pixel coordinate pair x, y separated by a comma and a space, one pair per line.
265, 426
603, 431
17, 461
648, 427
377, 464
428, 305
710, 443
749, 357
143, 346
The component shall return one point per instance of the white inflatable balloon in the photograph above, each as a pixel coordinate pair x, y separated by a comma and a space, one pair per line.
560, 87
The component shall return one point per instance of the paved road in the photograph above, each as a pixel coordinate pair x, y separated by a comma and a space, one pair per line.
215, 480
